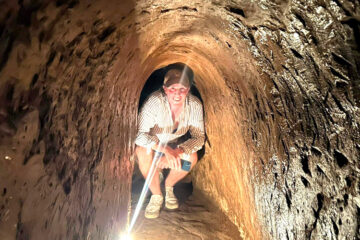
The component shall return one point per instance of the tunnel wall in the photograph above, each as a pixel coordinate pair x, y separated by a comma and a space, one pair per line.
67, 171
280, 85
312, 190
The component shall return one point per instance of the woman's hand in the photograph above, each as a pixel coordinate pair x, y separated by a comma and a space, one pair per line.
173, 157
163, 163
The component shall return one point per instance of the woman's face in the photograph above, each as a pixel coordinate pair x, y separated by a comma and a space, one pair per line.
176, 94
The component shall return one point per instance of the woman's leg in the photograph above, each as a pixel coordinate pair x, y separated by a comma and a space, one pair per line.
176, 175
145, 161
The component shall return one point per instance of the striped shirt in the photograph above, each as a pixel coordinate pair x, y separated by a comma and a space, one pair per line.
156, 124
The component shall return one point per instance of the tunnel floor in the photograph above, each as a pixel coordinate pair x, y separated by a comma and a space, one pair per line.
196, 218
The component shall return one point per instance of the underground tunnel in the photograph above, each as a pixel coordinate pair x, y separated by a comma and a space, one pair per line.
279, 82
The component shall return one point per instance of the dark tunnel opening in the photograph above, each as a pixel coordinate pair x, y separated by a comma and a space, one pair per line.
184, 188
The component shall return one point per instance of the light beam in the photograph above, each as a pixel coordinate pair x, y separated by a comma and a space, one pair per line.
146, 186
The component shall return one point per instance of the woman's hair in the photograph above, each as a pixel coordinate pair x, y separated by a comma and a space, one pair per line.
184, 69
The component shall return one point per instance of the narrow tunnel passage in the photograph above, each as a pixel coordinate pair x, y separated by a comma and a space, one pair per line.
280, 85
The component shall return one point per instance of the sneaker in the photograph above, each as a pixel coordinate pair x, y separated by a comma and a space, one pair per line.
153, 208
171, 201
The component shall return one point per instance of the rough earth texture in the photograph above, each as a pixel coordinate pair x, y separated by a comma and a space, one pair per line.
195, 219
281, 90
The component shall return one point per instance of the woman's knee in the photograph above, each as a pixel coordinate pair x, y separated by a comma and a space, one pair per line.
139, 150
142, 154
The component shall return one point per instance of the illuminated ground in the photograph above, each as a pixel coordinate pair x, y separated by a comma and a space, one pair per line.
196, 219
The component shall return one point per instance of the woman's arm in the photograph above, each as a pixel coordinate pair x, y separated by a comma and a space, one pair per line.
196, 129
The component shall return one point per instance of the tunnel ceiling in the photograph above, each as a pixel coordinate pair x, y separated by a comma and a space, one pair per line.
281, 92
